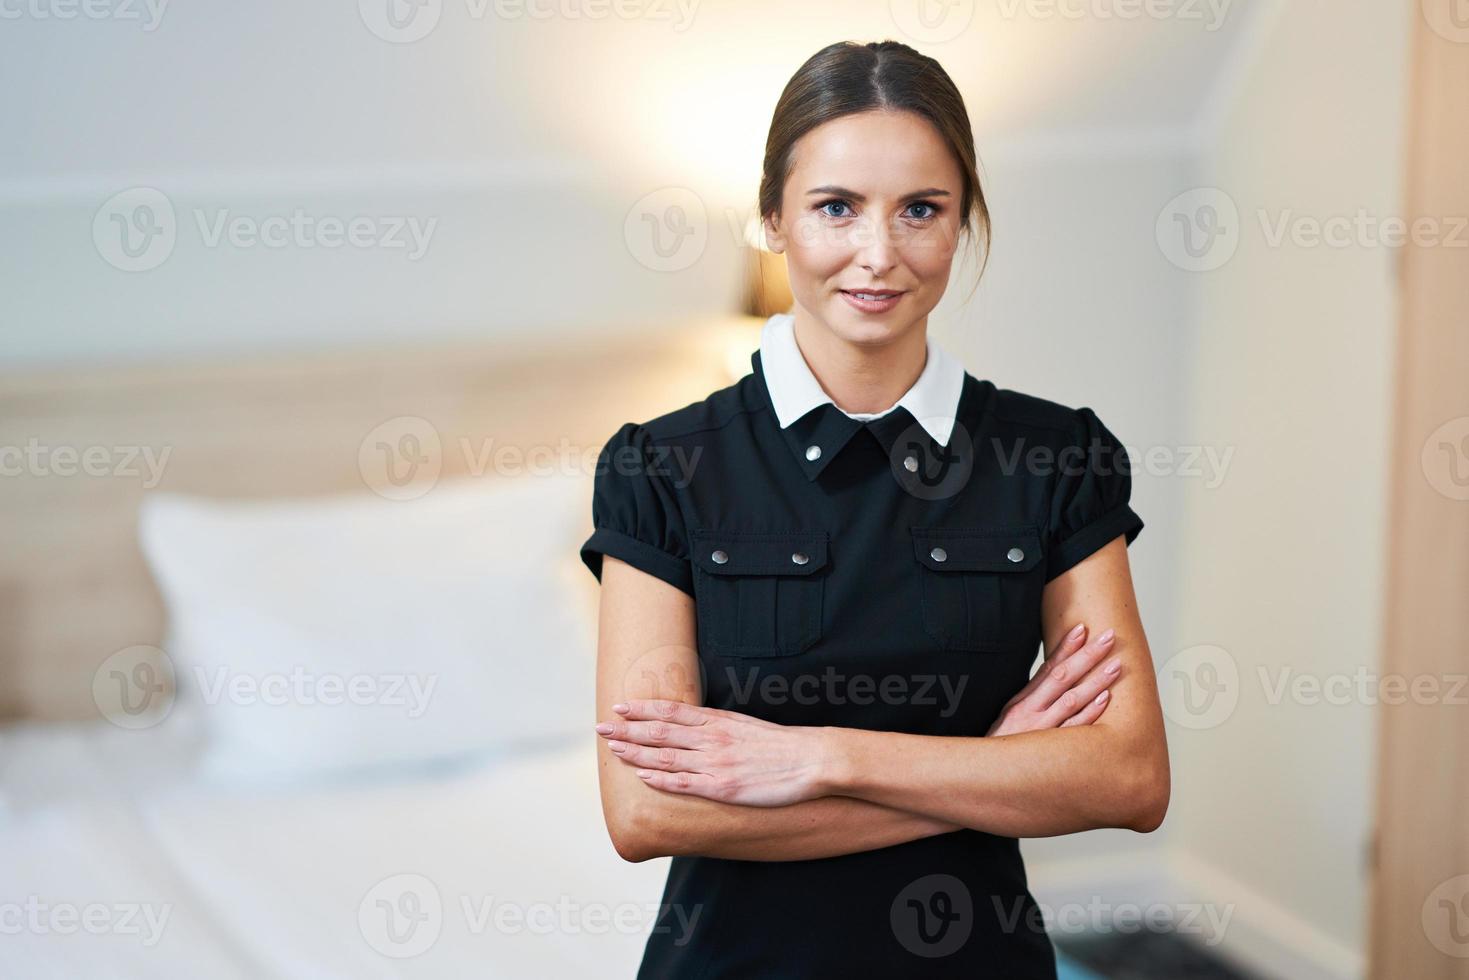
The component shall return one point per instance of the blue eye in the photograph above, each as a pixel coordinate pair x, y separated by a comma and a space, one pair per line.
933, 209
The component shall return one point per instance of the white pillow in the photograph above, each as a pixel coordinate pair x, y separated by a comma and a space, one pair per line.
354, 632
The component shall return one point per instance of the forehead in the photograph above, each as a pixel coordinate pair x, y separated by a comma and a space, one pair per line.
874, 153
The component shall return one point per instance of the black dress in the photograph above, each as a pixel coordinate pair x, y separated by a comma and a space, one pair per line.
882, 582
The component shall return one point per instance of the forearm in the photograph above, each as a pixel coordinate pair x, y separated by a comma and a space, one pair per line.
825, 827
1033, 784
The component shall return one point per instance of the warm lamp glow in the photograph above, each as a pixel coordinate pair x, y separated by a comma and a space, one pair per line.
767, 286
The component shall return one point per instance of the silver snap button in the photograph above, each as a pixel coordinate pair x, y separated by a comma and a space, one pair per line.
813, 453
800, 558
939, 554
911, 464
719, 557
1015, 554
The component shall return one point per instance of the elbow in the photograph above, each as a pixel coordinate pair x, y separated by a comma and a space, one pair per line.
629, 848
630, 835
1148, 803
627, 841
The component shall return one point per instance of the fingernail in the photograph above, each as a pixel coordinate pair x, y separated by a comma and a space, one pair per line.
616, 746
1076, 631
619, 707
603, 728
1113, 667
644, 773
1105, 637
1102, 697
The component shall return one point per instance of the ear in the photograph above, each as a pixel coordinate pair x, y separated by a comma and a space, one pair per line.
774, 237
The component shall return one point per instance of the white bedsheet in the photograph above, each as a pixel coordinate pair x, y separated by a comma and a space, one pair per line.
502, 870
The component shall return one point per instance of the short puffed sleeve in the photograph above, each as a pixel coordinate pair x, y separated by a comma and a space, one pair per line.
635, 515
1091, 502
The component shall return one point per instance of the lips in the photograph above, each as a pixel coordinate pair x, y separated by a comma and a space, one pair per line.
876, 301
874, 293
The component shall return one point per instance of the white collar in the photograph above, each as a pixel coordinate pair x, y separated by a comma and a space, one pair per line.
933, 400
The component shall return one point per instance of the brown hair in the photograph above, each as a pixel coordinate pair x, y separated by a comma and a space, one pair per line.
848, 77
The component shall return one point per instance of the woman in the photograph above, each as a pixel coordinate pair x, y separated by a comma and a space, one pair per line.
828, 583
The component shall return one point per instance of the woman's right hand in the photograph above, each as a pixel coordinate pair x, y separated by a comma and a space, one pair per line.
1069, 689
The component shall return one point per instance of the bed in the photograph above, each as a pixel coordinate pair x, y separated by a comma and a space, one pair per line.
244, 520
116, 865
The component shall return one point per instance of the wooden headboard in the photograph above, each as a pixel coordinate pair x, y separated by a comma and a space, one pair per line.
80, 447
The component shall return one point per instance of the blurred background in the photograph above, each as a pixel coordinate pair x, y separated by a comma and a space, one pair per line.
313, 318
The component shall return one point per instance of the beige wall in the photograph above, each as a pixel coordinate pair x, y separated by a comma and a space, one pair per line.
1282, 564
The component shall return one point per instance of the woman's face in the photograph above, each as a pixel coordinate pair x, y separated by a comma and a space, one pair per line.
872, 203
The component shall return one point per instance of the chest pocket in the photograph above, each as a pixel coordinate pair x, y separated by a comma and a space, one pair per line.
981, 586
759, 593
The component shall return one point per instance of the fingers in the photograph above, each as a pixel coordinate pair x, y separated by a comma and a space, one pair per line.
1062, 677
687, 783
654, 733
662, 758
657, 709
656, 722
1069, 644
1081, 695
1090, 713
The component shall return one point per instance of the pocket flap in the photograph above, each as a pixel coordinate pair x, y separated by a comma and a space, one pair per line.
759, 552
1003, 548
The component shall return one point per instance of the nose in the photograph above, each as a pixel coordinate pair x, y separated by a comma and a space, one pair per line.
876, 251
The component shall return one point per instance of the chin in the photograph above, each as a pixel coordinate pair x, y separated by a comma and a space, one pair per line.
858, 328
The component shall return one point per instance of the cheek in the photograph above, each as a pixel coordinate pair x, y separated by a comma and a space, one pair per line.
929, 257
817, 252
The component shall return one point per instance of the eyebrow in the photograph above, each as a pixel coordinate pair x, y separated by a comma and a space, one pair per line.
844, 192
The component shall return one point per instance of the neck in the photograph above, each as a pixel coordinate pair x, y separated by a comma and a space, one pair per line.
861, 377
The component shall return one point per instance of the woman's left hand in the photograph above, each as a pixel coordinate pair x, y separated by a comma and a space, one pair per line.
720, 755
